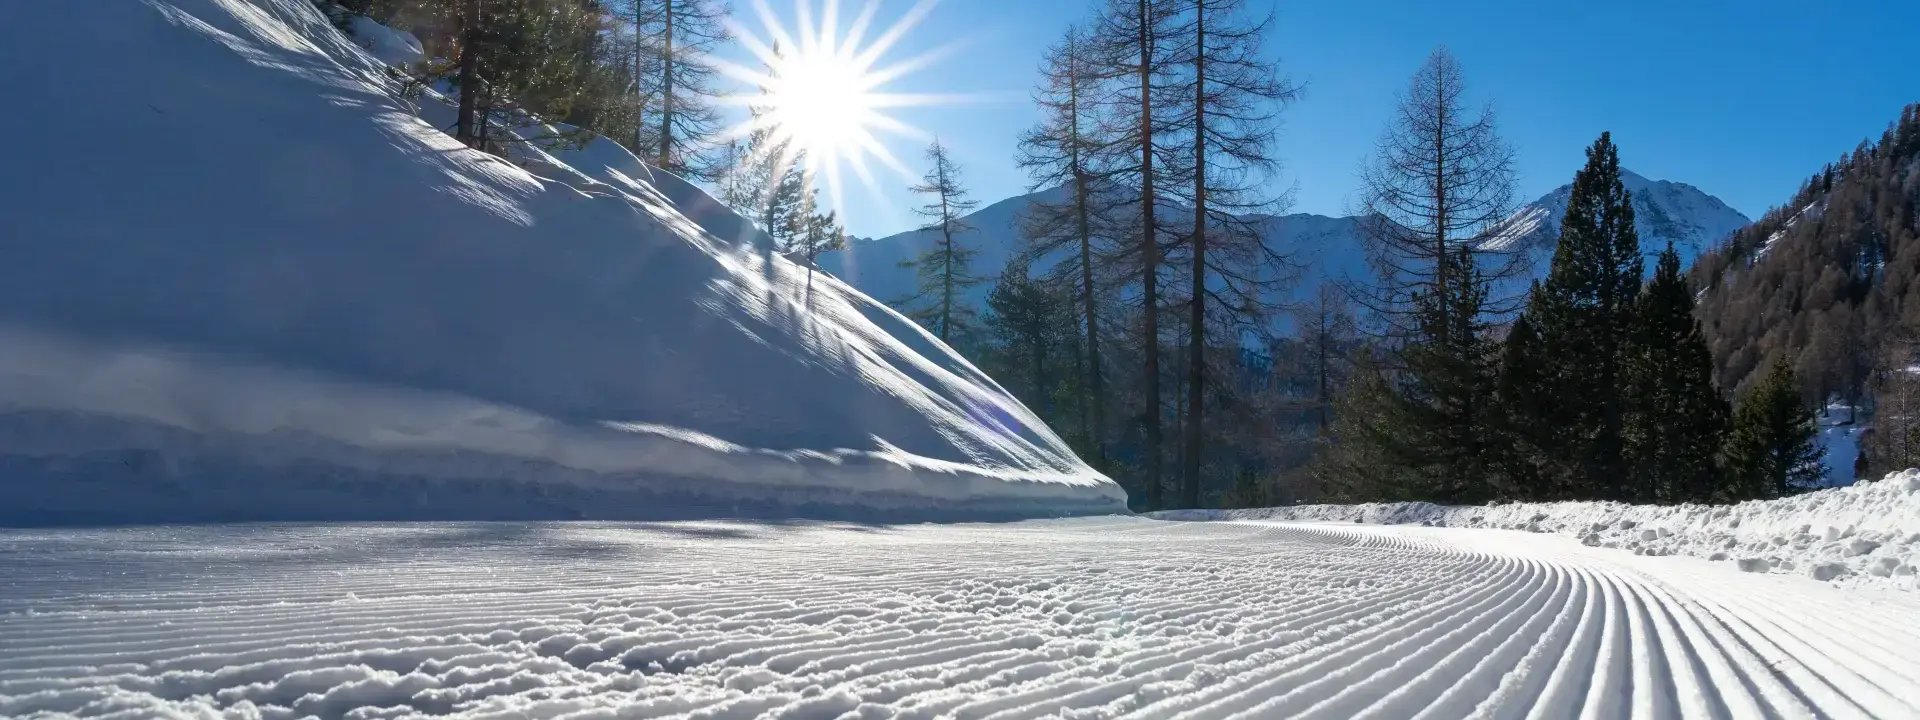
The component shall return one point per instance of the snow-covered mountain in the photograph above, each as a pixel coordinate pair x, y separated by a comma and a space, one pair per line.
1326, 248
244, 279
1663, 212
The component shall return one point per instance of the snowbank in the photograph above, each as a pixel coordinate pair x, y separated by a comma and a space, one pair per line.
244, 281
1869, 532
398, 48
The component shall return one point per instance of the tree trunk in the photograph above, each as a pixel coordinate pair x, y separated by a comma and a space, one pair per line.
1085, 230
1197, 320
1440, 196
1321, 341
666, 90
1150, 256
465, 130
946, 282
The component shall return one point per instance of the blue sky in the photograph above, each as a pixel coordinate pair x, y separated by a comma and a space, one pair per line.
1742, 99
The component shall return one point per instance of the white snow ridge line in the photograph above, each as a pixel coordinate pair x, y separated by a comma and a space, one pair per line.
1089, 618
1864, 534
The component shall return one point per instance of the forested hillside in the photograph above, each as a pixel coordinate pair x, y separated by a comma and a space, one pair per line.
1828, 282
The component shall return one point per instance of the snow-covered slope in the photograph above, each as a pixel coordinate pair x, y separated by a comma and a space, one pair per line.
242, 279
1327, 249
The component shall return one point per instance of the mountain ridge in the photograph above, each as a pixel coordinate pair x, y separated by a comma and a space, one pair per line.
1326, 247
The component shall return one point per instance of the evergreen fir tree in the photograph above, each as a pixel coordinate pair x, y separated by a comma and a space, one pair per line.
1370, 442
1448, 388
1427, 432
1675, 415
1771, 450
944, 268
1524, 407
1584, 312
1028, 333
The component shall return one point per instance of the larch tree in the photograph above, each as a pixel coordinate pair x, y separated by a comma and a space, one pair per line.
1432, 203
1232, 117
944, 269
1328, 334
1060, 151
1584, 312
677, 84
1137, 42
1894, 443
1441, 178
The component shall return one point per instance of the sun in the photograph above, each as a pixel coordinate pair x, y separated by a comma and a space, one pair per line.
820, 94
822, 102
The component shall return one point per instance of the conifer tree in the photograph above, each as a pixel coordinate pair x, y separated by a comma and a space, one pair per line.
1028, 336
1675, 415
676, 39
1428, 431
1524, 399
1584, 312
1442, 178
944, 268
1060, 152
1328, 333
1232, 116
1371, 443
1449, 386
1138, 39
1772, 449
821, 234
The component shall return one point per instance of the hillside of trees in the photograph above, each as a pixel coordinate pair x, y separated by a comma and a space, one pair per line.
1829, 283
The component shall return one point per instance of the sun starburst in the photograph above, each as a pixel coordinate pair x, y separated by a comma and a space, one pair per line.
820, 96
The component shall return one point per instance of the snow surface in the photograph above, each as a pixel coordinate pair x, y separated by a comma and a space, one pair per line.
244, 281
1840, 442
398, 48
1080, 618
1865, 534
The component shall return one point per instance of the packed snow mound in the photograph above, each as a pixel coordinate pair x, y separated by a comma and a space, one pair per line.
243, 280
1867, 533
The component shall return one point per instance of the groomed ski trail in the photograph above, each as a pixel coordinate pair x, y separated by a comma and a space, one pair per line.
1089, 618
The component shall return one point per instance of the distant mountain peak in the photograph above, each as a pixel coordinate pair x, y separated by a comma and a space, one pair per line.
1664, 212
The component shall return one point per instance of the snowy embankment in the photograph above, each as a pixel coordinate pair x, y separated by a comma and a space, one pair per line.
243, 279
1087, 618
1867, 533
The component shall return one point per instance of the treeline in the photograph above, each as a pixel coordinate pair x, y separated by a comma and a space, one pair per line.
1128, 320
638, 72
1422, 383
1829, 283
1600, 388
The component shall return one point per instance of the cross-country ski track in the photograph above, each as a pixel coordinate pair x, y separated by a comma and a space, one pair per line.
1087, 618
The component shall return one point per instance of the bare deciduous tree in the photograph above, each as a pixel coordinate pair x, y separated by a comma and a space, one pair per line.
1442, 178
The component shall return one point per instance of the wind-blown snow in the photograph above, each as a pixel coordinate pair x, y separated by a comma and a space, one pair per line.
1082, 618
243, 281
1865, 534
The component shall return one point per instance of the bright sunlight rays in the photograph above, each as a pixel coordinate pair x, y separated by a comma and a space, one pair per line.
819, 93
